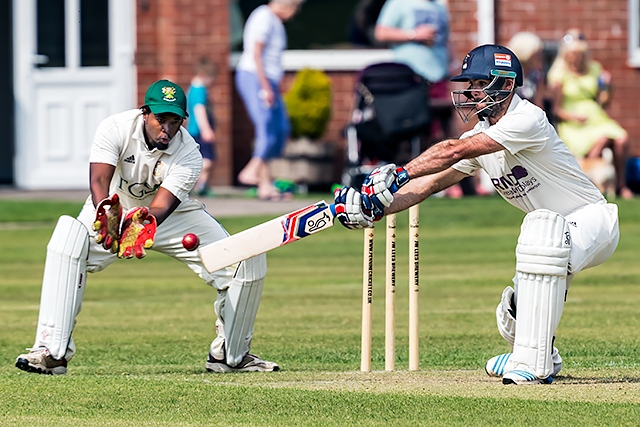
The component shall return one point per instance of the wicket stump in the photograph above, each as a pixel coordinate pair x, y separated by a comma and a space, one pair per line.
390, 290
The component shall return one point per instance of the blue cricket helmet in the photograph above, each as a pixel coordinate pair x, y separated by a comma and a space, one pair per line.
489, 61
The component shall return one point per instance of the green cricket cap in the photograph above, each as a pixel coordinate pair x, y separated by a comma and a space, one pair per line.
165, 96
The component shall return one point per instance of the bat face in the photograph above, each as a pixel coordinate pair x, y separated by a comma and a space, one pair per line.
306, 221
267, 236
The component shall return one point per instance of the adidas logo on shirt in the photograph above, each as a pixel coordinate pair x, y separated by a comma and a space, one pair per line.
130, 159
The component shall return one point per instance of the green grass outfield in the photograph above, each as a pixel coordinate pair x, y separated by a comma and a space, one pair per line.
145, 328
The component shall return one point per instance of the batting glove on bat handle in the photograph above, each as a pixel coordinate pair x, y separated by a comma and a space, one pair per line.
107, 223
379, 186
348, 209
138, 233
402, 177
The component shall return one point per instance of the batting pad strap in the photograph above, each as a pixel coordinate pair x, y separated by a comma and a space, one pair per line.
542, 260
544, 244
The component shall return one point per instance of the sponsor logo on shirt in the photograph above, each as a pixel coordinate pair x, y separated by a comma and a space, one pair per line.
515, 184
130, 159
138, 190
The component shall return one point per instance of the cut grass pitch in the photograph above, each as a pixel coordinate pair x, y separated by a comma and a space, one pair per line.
145, 327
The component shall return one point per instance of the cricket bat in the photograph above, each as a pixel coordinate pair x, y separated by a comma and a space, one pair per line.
267, 236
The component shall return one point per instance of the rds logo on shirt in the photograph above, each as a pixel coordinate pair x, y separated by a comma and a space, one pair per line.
516, 184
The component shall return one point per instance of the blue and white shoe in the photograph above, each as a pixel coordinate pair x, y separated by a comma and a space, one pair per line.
521, 377
497, 365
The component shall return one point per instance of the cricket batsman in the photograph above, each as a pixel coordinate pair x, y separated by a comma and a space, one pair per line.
143, 164
568, 226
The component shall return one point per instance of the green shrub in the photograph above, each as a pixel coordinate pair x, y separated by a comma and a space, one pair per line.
309, 103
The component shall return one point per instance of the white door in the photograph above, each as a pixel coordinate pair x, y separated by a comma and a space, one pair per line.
74, 66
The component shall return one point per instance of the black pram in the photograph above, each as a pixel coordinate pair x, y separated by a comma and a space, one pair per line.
391, 111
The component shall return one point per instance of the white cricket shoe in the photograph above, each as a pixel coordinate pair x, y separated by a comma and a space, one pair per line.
250, 363
522, 377
497, 365
39, 361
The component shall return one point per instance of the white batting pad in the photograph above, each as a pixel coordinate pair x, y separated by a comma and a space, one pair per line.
65, 274
241, 306
542, 259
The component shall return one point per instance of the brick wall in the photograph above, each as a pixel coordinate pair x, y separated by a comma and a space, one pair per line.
171, 40
604, 23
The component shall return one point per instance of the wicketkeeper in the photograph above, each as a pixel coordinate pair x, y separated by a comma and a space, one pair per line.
568, 226
143, 164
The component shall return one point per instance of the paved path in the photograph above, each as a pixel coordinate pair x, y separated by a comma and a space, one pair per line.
230, 201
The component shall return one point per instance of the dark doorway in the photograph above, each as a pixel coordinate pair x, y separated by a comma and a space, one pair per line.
7, 108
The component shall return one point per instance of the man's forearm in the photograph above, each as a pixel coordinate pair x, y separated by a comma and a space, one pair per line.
436, 159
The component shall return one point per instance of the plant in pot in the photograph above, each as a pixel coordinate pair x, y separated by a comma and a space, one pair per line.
307, 160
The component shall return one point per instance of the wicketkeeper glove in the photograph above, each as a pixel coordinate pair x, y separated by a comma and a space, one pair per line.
348, 205
107, 223
379, 186
138, 233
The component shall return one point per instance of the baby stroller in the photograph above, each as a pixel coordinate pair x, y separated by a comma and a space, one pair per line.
391, 111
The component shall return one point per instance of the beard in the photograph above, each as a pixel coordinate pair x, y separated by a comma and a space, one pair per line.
158, 145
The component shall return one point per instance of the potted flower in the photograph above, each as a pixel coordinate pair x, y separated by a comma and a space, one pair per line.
306, 159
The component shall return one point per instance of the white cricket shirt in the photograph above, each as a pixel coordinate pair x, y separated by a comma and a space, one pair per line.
536, 170
119, 141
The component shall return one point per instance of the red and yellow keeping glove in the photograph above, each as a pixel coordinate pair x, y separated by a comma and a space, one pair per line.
138, 233
107, 223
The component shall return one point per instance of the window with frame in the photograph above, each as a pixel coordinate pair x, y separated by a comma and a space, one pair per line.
324, 24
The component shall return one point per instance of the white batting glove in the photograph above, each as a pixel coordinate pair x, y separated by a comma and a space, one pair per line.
379, 186
348, 204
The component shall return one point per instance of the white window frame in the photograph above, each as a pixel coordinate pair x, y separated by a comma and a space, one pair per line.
634, 33
327, 60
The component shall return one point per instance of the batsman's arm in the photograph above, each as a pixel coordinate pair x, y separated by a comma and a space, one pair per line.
444, 154
418, 189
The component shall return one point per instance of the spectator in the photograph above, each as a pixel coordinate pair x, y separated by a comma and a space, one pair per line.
582, 88
201, 123
258, 77
528, 48
418, 31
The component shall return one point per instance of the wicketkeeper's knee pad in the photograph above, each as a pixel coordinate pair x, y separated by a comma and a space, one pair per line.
542, 257
240, 307
65, 274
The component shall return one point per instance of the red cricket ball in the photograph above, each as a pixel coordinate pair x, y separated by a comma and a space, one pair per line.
190, 241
